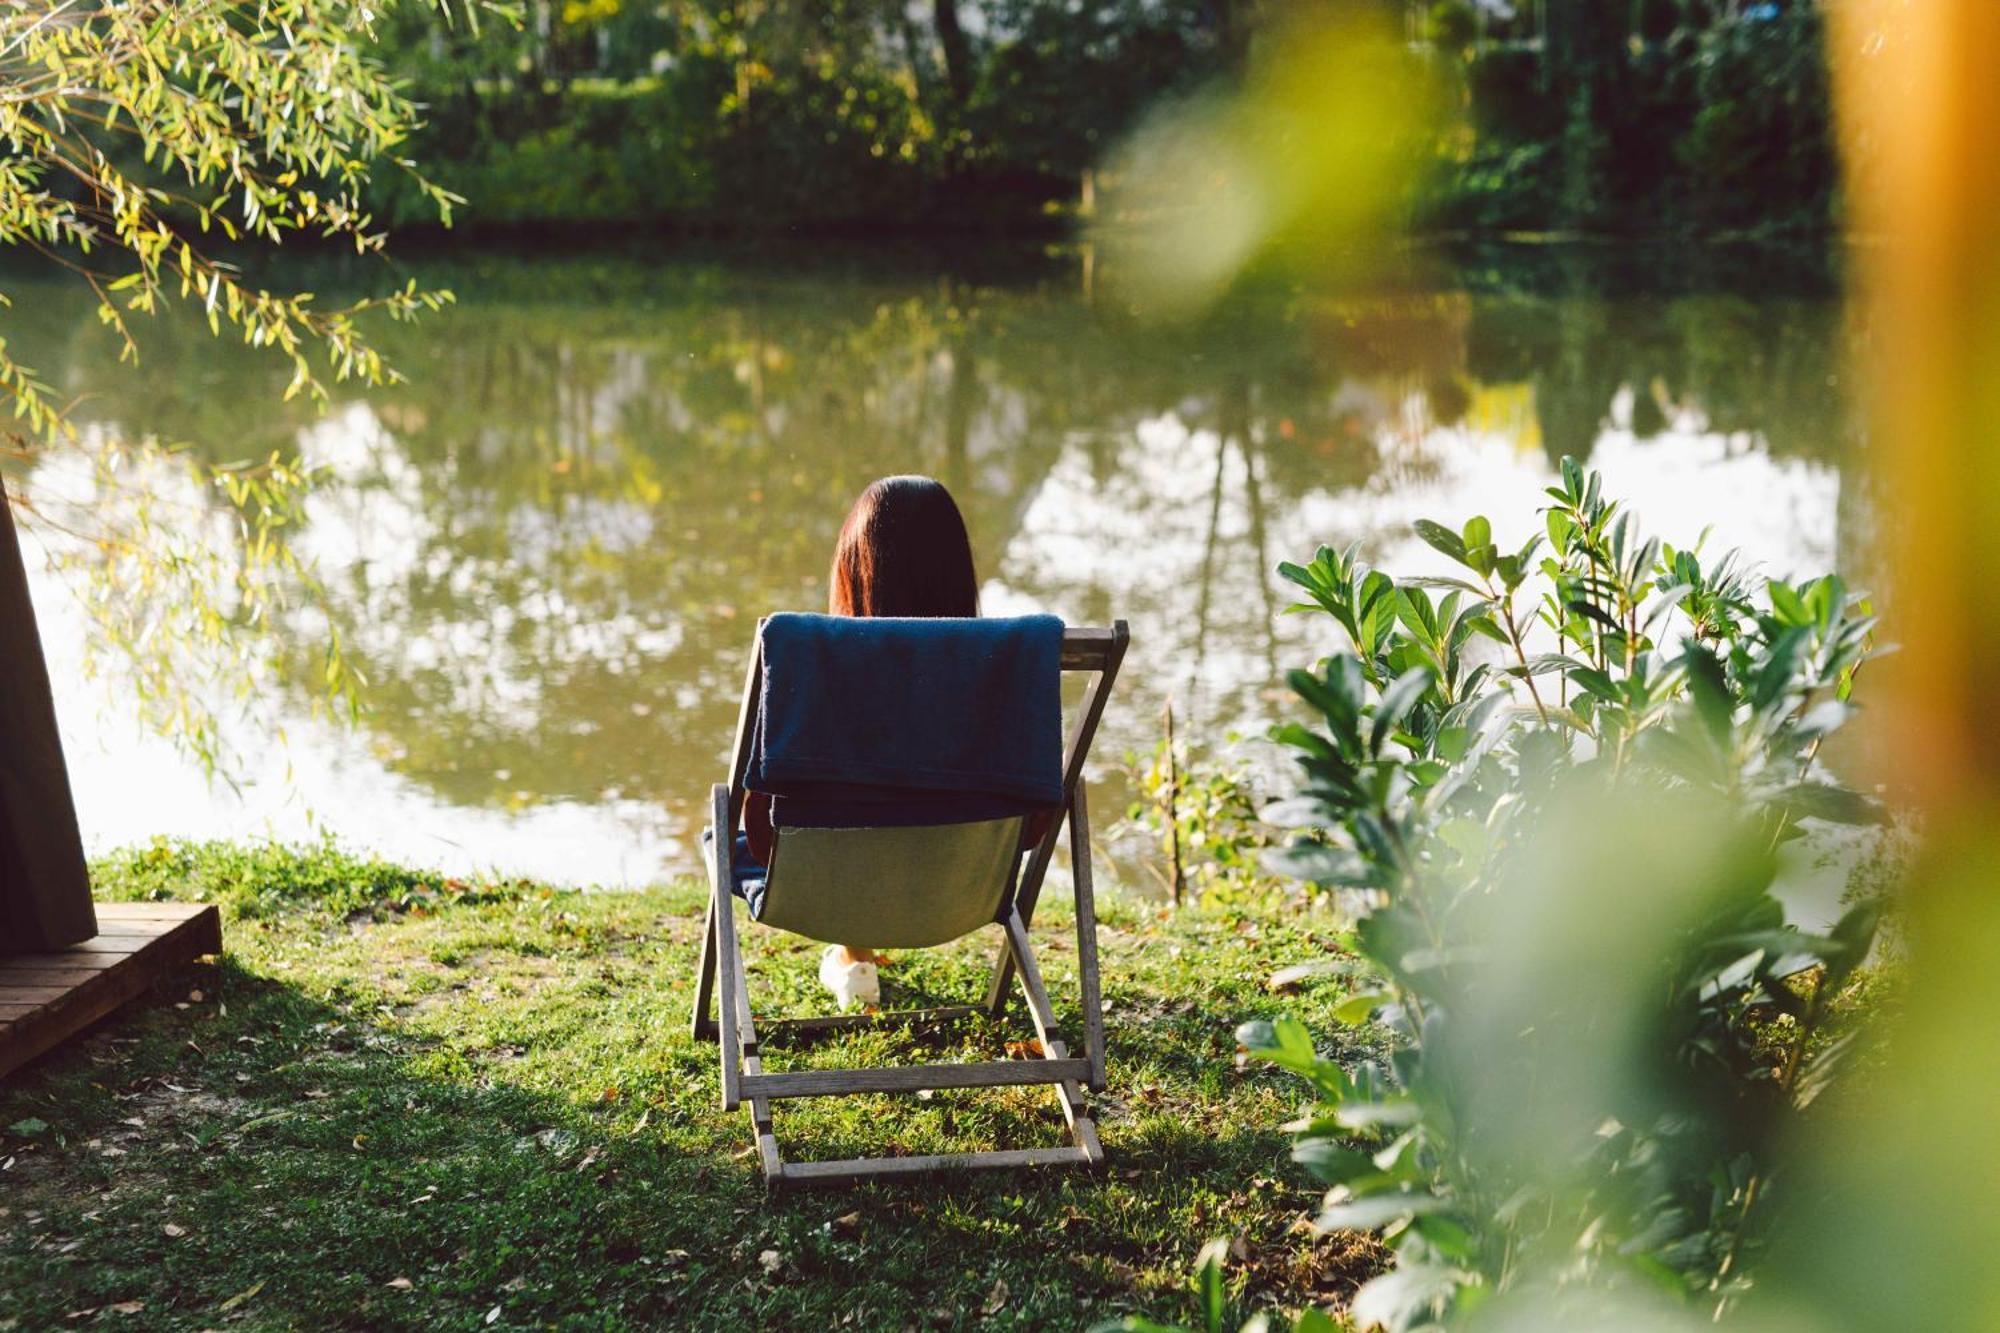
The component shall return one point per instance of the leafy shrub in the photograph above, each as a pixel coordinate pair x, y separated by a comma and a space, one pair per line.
1560, 850
1563, 864
1204, 814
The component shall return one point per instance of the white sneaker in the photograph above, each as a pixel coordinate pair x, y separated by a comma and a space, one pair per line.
851, 983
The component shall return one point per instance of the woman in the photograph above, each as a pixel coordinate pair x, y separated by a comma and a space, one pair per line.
902, 552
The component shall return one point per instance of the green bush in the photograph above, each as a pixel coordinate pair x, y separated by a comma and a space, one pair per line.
1559, 849
1562, 864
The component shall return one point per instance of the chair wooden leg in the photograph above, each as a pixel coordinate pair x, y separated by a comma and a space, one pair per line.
753, 1064
1001, 987
729, 959
1086, 938
704, 986
1083, 1130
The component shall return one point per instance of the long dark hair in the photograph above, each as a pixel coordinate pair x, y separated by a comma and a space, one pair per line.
903, 552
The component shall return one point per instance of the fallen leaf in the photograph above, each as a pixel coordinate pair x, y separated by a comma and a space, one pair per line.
847, 1221
127, 1307
28, 1128
175, 1230
996, 1299
262, 1120
771, 1261
401, 1283
493, 1315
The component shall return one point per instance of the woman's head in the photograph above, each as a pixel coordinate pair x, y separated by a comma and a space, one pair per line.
903, 552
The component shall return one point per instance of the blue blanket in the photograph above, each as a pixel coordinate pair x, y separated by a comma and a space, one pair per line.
942, 705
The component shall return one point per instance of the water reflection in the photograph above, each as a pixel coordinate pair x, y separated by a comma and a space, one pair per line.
548, 551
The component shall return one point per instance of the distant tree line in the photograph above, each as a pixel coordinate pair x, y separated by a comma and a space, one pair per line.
766, 114
1637, 115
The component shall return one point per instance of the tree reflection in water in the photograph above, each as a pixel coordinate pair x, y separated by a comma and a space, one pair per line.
548, 551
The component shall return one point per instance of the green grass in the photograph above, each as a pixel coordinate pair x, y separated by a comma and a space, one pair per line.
409, 1102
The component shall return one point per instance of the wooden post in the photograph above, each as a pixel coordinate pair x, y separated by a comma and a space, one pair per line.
44, 884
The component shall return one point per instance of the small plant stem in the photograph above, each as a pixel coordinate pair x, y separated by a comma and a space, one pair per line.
1631, 631
1173, 808
1520, 652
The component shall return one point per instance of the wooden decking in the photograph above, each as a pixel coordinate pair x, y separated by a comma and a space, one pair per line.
47, 997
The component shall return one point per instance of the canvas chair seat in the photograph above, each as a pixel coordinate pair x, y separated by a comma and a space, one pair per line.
907, 887
903, 880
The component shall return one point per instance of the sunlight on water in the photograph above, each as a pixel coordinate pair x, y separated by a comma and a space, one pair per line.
549, 551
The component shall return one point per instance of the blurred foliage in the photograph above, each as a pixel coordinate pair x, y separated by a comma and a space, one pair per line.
737, 114
1563, 847
1655, 115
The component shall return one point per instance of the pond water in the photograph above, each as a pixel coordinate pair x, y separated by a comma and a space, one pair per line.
548, 551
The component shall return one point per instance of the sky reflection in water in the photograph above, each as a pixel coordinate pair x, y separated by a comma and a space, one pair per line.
548, 552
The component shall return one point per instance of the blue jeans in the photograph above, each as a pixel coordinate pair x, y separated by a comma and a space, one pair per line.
747, 875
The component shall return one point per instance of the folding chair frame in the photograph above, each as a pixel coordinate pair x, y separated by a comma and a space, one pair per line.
743, 1078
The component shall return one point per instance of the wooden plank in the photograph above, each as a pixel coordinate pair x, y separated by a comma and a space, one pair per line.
911, 1078
128, 936
54, 976
104, 943
37, 995
865, 1168
81, 996
10, 1012
62, 962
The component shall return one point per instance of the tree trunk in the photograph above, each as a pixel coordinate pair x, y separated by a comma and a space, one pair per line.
44, 886
957, 50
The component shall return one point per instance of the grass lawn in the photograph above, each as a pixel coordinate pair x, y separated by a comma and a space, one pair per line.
410, 1102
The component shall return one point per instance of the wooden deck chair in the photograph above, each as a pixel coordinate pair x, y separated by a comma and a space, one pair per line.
961, 873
